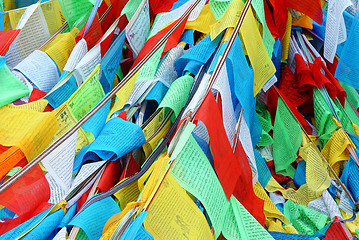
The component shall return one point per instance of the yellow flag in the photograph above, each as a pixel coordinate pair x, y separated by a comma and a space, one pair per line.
276, 225
156, 176
127, 194
66, 120
141, 181
8, 5
38, 105
123, 94
15, 16
229, 18
262, 64
203, 21
115, 220
151, 144
300, 196
173, 215
317, 177
61, 47
270, 210
157, 169
335, 150
29, 130
356, 128
52, 13
352, 225
153, 125
286, 38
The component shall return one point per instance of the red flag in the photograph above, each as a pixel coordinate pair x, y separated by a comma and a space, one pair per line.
233, 170
312, 8
276, 14
290, 87
281, 179
6, 39
171, 42
82, 199
337, 230
3, 148
225, 163
130, 169
106, 42
341, 94
272, 97
93, 34
244, 189
27, 197
157, 6
110, 176
320, 79
108, 19
117, 6
36, 94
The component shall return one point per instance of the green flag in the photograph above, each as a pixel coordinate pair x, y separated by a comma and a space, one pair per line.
287, 137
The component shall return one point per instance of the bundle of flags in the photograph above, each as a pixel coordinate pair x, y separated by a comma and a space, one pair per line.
179, 119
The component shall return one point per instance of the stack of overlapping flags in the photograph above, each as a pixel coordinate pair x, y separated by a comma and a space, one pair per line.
179, 119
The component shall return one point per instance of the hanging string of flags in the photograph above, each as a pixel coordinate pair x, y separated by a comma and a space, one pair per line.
179, 119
